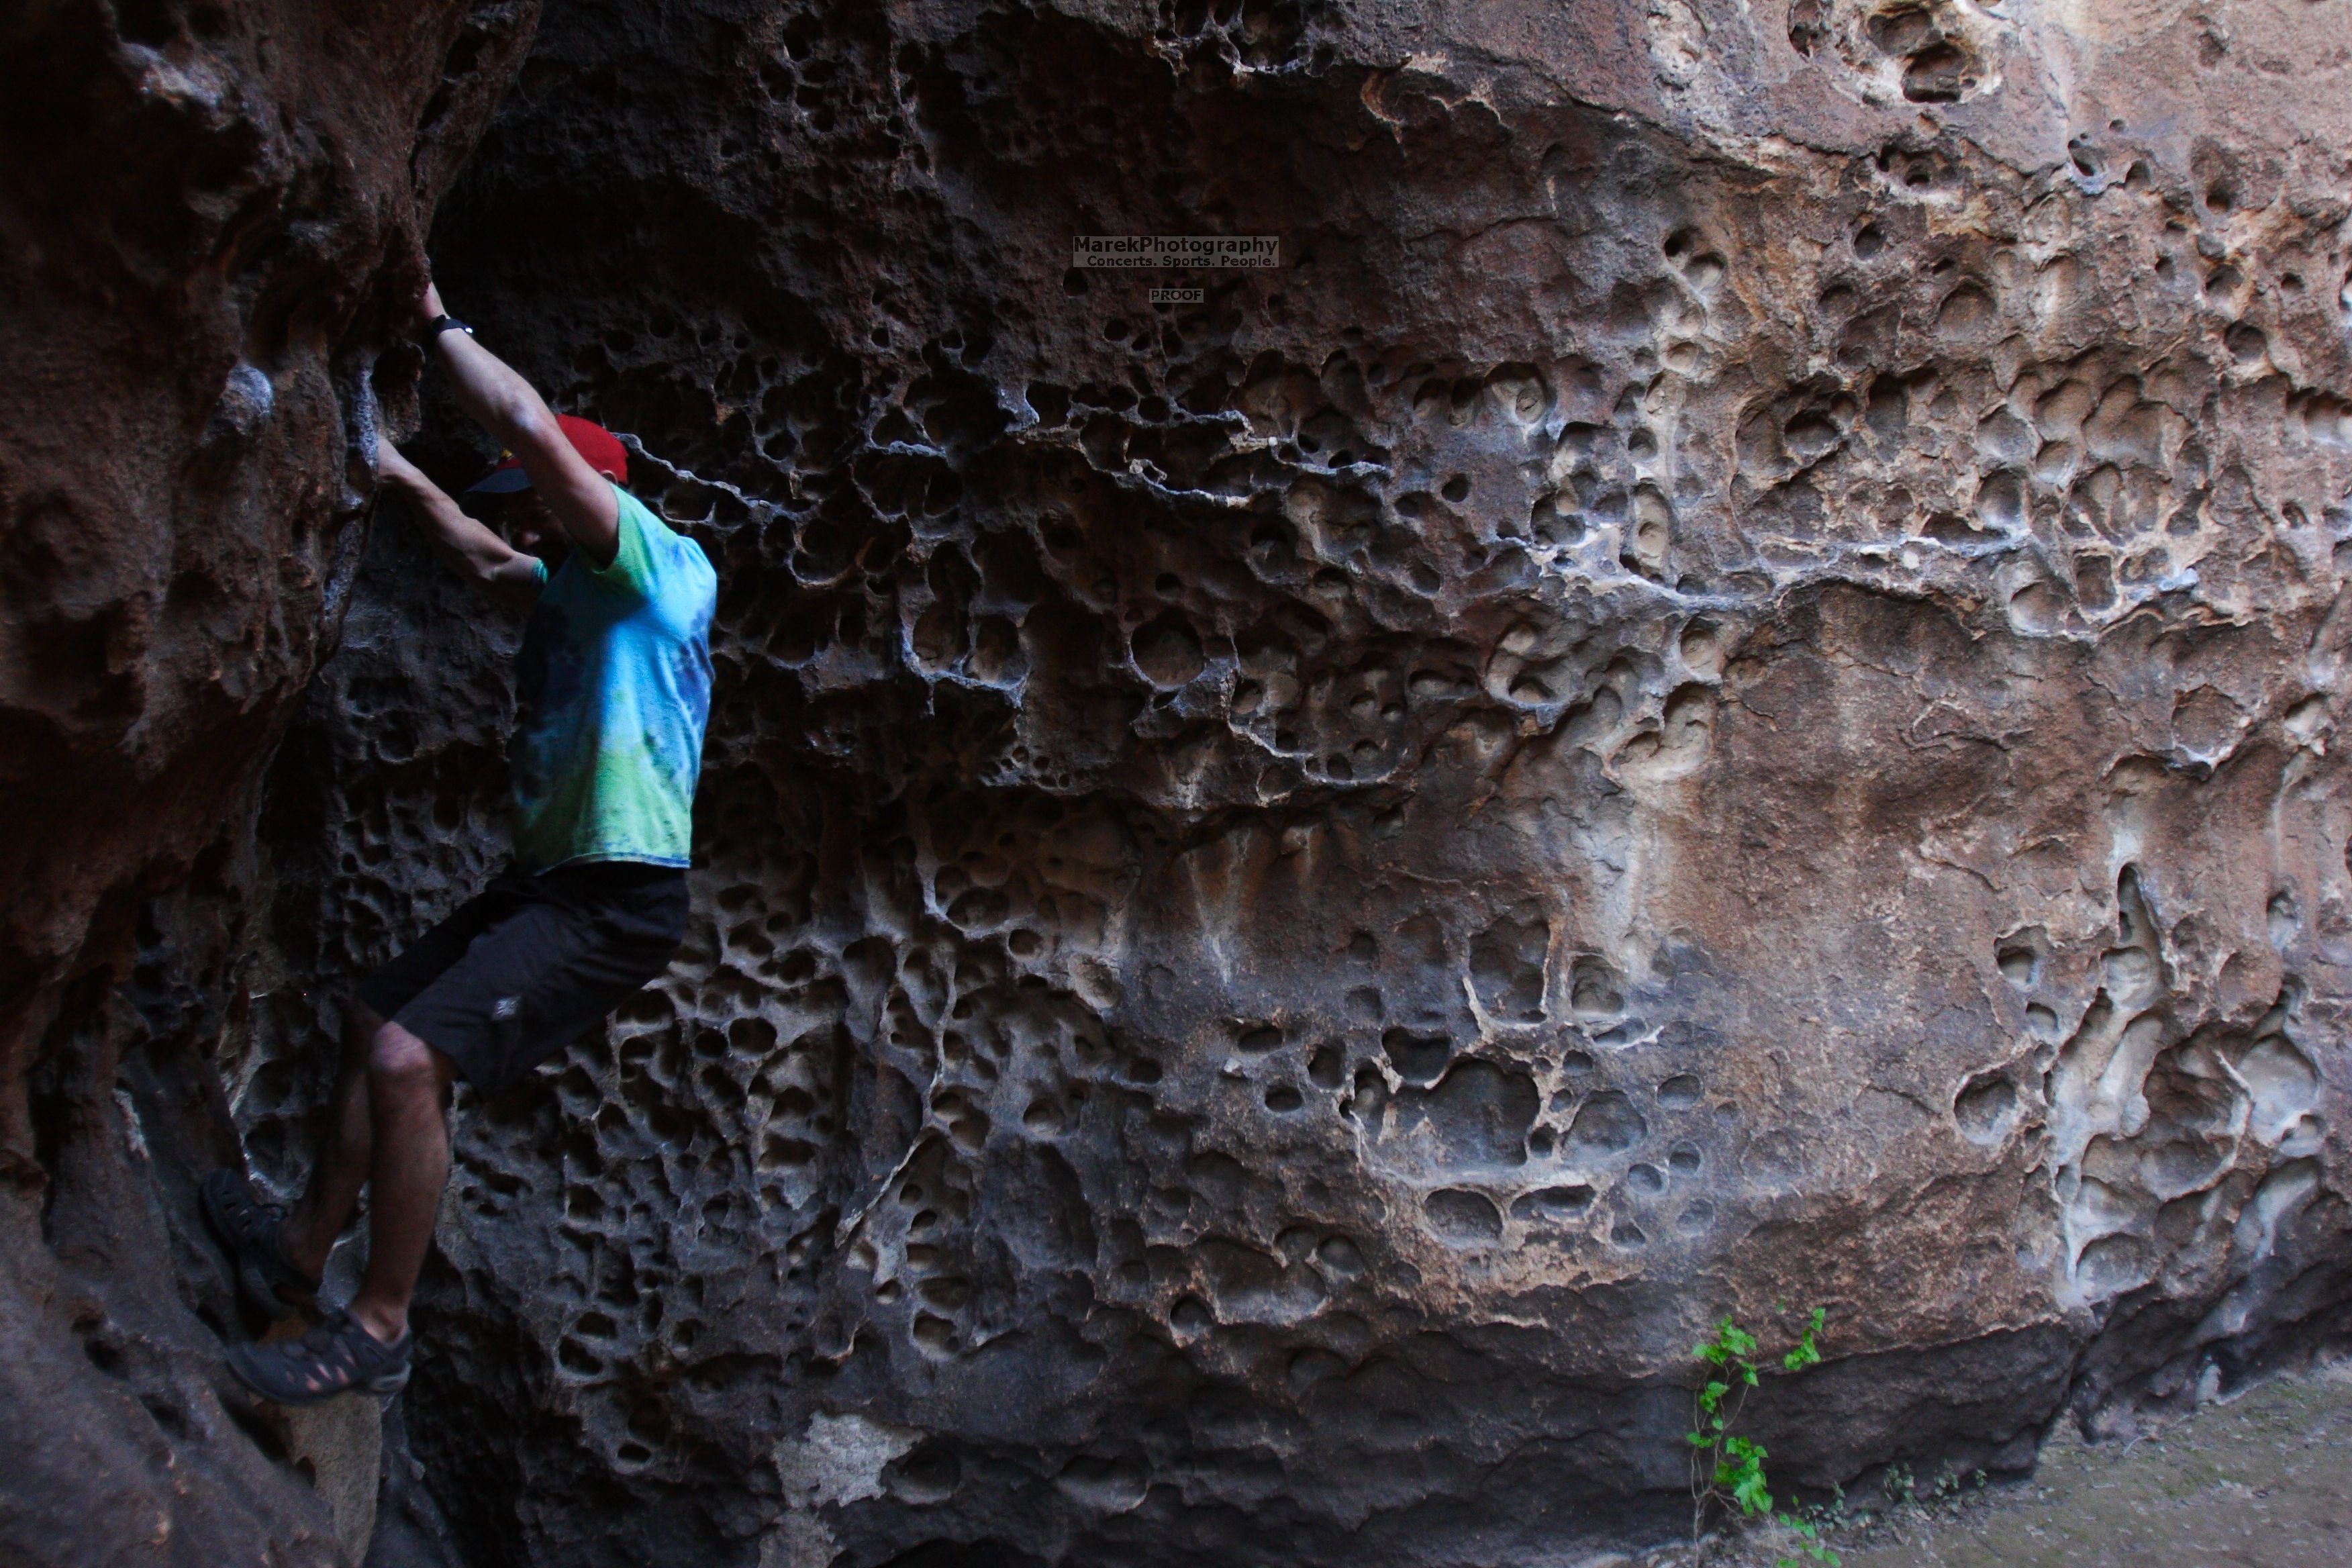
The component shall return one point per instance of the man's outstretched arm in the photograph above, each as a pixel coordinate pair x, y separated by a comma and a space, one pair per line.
579, 498
466, 546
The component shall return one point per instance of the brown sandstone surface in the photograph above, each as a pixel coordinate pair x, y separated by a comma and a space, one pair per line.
1722, 692
209, 214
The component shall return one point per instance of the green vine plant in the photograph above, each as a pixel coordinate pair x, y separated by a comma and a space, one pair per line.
1727, 1469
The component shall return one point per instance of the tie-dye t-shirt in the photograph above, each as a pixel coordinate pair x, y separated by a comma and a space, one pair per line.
614, 682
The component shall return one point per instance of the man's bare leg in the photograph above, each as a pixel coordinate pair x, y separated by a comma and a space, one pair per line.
341, 1168
408, 1098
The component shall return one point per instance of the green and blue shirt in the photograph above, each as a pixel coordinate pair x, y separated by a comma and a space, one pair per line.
615, 683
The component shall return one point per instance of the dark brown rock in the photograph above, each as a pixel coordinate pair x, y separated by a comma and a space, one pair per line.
209, 215
1722, 691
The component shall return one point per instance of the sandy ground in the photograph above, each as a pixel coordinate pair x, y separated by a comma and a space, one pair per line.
2261, 1481
2264, 1481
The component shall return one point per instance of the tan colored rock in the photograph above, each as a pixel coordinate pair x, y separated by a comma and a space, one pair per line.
1723, 691
339, 1447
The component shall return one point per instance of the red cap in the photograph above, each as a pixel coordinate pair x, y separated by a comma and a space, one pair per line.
599, 447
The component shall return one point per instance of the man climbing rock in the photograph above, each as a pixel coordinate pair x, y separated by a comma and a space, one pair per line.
613, 679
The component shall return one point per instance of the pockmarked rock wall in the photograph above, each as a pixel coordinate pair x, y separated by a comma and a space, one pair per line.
1724, 690
211, 218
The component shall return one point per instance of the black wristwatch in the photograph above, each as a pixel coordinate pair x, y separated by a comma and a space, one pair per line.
440, 324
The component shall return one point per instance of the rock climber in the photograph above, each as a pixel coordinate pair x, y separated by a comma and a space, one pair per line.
614, 681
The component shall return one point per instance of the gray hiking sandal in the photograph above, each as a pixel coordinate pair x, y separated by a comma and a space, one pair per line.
270, 1284
337, 1357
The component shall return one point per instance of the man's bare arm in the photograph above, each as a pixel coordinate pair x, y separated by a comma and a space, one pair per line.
580, 499
465, 545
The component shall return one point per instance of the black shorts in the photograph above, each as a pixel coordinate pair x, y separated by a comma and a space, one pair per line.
532, 963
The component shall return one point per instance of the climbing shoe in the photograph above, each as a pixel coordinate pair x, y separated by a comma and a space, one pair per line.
339, 1356
249, 1231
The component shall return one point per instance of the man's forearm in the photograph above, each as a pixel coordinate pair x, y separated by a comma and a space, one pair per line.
466, 546
581, 498
493, 394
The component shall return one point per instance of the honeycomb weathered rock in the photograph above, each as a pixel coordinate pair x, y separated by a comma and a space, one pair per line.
1722, 691
1719, 693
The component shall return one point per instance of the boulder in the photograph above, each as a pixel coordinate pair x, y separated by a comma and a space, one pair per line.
1719, 695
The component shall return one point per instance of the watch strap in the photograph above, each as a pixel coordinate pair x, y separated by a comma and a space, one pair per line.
440, 324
